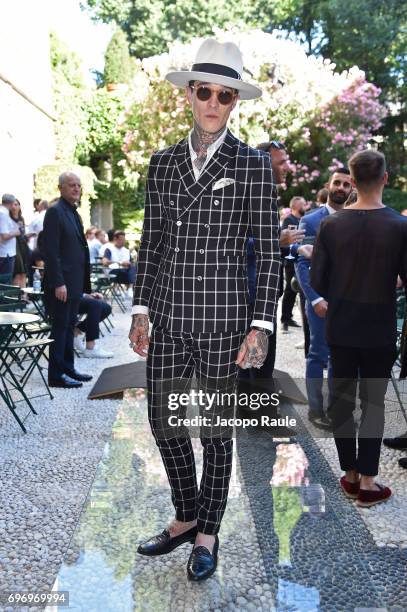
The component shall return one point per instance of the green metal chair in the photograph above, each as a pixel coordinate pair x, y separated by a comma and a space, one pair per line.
6, 279
401, 347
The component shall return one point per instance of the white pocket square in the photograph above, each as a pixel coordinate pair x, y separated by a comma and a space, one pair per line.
223, 182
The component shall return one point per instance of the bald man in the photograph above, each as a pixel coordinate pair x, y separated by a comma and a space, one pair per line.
66, 278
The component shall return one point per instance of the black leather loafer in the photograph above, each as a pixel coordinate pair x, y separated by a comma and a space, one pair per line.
78, 376
399, 443
202, 563
403, 462
320, 421
65, 382
162, 544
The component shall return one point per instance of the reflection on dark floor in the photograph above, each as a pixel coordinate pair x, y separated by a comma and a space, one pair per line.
289, 540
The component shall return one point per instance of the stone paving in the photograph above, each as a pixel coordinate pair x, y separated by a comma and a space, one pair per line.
86, 484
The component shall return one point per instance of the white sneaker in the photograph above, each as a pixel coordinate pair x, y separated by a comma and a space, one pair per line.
97, 353
79, 343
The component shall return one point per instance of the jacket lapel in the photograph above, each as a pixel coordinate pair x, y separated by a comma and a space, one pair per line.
216, 167
70, 218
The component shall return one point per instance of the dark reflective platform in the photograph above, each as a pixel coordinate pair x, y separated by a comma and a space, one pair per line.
290, 541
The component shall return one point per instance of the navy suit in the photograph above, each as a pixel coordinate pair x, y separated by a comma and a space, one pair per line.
66, 257
318, 354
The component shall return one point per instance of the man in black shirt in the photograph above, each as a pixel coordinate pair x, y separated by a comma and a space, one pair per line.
358, 255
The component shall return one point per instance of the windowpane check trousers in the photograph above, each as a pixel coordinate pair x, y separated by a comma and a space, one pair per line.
172, 360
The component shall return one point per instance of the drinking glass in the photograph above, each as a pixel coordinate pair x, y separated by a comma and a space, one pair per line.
291, 227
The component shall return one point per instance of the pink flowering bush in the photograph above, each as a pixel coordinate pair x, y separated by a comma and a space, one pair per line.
321, 115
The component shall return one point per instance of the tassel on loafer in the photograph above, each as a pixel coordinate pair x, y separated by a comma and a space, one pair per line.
202, 563
162, 544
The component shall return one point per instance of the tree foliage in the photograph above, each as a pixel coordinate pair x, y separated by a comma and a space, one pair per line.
69, 96
152, 24
370, 34
118, 64
101, 117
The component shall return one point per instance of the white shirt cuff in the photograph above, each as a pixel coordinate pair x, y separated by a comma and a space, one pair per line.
316, 301
139, 310
265, 324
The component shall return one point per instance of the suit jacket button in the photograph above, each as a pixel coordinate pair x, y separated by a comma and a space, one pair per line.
206, 225
176, 249
172, 202
201, 251
199, 278
216, 202
179, 223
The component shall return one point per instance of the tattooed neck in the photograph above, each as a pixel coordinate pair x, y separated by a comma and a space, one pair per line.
202, 140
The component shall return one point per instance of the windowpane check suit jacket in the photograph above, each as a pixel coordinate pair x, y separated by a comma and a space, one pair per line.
192, 270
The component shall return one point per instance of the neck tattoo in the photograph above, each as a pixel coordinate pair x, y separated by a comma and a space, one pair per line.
201, 141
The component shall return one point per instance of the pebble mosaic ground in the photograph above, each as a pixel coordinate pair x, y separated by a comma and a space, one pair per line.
81, 489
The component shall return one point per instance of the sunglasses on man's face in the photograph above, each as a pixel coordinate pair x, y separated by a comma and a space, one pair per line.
204, 93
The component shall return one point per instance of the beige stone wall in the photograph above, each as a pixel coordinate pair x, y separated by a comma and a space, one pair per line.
26, 132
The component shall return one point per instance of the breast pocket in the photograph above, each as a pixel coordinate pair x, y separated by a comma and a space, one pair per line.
230, 197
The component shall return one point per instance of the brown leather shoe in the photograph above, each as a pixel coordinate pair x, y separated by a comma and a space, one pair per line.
351, 489
368, 498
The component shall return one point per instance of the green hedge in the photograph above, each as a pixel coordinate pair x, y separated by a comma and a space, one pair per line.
395, 198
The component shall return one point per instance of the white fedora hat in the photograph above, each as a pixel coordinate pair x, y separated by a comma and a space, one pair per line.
219, 63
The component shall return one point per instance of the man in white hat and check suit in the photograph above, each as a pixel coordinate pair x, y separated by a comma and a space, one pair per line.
205, 196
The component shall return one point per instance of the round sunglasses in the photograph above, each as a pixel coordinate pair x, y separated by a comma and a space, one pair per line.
204, 93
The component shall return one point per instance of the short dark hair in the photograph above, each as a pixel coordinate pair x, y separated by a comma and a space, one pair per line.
110, 234
322, 195
272, 144
368, 167
119, 233
341, 170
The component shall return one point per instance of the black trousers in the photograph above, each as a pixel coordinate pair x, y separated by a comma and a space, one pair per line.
63, 317
305, 326
7, 266
371, 367
289, 295
96, 311
171, 362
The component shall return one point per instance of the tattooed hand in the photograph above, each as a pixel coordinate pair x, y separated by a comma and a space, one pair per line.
138, 334
253, 351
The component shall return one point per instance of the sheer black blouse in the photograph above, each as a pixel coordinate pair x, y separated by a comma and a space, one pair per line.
357, 257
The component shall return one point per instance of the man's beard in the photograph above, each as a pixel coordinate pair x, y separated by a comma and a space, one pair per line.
337, 198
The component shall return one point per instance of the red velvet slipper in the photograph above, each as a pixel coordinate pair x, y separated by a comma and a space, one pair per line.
370, 498
351, 489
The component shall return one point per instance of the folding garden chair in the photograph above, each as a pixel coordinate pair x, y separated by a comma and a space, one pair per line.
16, 349
401, 341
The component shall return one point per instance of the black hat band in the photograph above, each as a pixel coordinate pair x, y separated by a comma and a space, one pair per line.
217, 69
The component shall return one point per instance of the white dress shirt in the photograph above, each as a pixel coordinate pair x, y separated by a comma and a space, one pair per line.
209, 154
7, 226
36, 226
